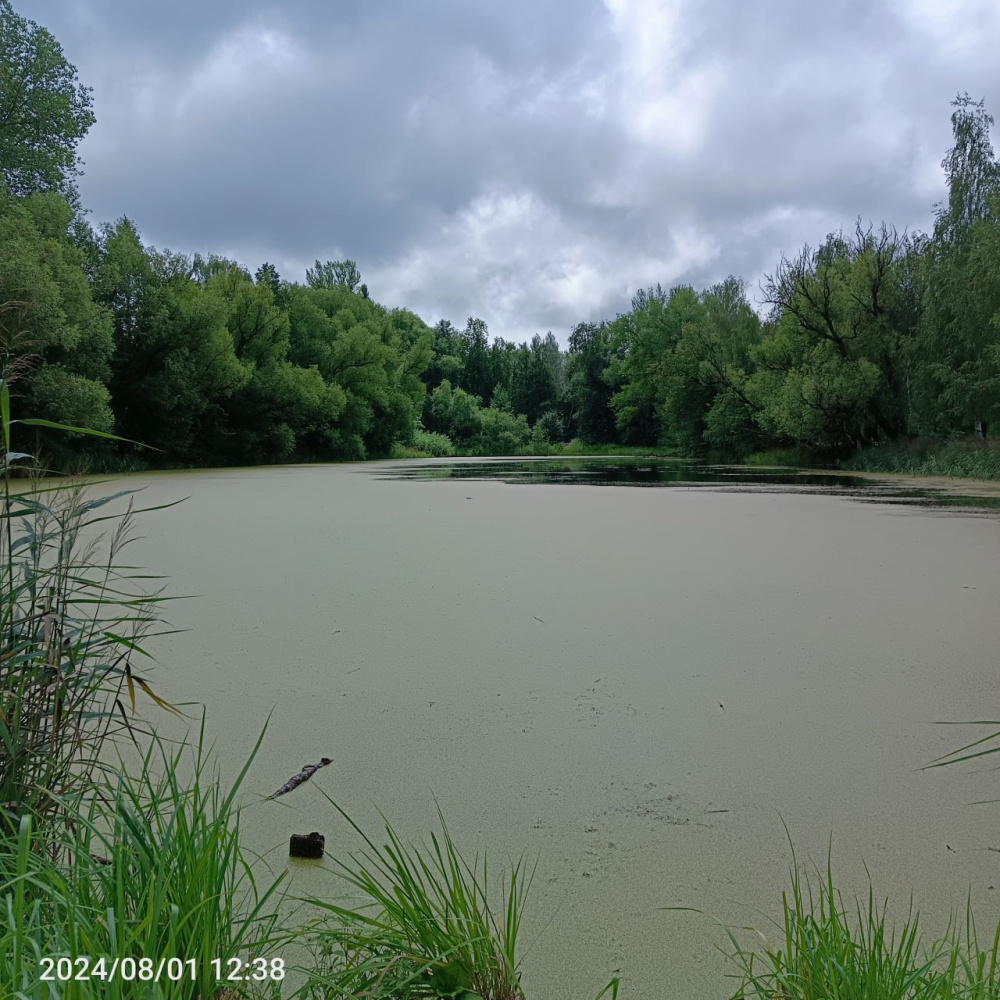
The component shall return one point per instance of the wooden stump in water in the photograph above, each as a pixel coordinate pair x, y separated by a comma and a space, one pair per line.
306, 845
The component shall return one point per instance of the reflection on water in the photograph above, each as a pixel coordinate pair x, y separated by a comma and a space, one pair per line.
686, 473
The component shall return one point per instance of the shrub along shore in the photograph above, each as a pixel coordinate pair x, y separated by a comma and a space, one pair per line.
963, 458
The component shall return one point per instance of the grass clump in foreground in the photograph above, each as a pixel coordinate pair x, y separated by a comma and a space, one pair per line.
826, 952
423, 927
151, 867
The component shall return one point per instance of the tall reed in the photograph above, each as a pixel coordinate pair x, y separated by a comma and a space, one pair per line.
152, 867
73, 620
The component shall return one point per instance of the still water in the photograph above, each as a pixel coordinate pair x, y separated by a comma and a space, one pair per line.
635, 683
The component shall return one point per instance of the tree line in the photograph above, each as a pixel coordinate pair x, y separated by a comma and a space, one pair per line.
873, 336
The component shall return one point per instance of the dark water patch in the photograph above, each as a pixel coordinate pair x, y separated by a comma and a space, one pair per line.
683, 473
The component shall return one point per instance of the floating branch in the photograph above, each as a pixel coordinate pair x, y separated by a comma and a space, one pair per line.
304, 775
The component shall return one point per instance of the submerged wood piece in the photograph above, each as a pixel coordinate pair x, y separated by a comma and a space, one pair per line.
306, 845
297, 779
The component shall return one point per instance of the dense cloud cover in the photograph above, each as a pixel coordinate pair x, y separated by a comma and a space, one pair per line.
532, 163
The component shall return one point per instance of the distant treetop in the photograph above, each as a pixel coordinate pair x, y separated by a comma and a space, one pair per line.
44, 111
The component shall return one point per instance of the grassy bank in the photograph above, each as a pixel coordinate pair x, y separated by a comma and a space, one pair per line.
427, 445
972, 458
148, 865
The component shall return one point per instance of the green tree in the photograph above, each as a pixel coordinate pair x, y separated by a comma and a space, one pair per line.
960, 336
501, 432
283, 412
588, 386
268, 415
830, 374
376, 359
724, 343
544, 378
456, 413
267, 274
702, 377
502, 399
474, 353
444, 362
258, 326
54, 338
333, 274
44, 111
502, 366
808, 393
644, 341
970, 167
520, 376
550, 427
175, 363
962, 291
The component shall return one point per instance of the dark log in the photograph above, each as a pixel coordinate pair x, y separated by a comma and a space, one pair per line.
306, 845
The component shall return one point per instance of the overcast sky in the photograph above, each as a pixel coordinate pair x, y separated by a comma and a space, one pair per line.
530, 162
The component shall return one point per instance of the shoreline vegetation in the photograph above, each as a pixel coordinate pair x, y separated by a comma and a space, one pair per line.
961, 458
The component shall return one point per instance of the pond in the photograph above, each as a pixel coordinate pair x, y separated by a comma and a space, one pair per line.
638, 686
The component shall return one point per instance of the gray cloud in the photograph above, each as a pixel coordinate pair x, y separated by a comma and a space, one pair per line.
529, 163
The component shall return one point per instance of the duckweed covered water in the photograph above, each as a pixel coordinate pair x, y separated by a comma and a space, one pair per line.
635, 685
